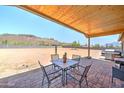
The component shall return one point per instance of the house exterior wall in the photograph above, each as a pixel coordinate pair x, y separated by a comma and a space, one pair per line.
122, 45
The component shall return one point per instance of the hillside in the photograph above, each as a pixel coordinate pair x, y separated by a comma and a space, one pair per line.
26, 40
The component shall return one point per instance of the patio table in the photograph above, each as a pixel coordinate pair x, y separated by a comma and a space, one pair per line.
65, 66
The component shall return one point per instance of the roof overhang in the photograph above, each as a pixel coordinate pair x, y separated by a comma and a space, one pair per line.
92, 20
121, 37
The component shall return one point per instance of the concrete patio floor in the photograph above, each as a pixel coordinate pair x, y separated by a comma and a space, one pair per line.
99, 76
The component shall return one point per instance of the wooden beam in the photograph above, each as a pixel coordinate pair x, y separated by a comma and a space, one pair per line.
118, 31
121, 37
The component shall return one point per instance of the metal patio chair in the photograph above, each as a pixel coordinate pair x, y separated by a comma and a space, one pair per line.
117, 73
76, 58
78, 75
54, 57
50, 75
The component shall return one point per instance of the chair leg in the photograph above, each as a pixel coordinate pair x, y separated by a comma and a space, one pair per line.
112, 79
54, 66
43, 81
62, 80
80, 84
49, 84
120, 66
78, 67
66, 79
86, 81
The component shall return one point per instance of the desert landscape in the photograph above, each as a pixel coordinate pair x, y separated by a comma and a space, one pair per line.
18, 60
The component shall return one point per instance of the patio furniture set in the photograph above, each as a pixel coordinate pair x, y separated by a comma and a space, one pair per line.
70, 69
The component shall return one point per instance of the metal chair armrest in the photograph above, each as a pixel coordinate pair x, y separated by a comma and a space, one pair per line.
49, 65
54, 72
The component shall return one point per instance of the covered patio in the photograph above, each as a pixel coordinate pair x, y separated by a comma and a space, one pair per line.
92, 21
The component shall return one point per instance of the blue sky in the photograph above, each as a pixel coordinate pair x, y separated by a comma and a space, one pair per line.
16, 21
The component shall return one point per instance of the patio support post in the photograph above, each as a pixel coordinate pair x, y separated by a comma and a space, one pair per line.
55, 49
89, 48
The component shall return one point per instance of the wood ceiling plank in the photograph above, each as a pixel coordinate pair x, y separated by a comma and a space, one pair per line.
112, 32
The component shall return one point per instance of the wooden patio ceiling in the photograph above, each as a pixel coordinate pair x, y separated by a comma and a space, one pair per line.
91, 20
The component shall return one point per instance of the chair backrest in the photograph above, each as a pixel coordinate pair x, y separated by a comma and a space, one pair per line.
85, 71
54, 57
76, 57
43, 69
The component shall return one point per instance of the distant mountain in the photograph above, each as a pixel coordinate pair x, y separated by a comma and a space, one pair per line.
114, 44
26, 40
